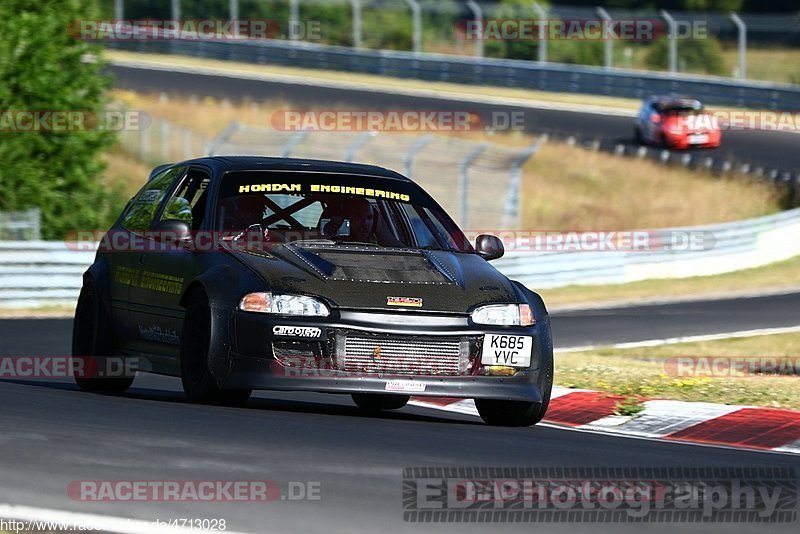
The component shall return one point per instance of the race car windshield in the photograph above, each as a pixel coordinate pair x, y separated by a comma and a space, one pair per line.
683, 111
340, 210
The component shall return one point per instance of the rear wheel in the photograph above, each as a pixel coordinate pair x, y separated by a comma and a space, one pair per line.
198, 382
92, 342
375, 402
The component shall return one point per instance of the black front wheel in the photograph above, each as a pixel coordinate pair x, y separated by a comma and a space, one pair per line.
375, 402
198, 381
509, 413
92, 344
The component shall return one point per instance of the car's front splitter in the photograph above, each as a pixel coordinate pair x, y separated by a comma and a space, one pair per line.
251, 373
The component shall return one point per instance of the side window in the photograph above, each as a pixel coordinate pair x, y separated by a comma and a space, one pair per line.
188, 202
142, 210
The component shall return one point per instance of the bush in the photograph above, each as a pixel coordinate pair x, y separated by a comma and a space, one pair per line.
42, 68
697, 55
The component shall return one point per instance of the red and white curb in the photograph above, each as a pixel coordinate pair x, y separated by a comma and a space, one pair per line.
746, 427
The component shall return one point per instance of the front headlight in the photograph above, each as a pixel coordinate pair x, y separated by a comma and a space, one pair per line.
283, 305
504, 315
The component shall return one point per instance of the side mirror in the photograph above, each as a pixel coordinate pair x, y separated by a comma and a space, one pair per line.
489, 247
173, 231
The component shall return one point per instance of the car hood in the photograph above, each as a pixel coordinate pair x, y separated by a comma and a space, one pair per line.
362, 277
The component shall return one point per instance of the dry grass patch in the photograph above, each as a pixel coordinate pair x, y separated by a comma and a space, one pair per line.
568, 188
649, 373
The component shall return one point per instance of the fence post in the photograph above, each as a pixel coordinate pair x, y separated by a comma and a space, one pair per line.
408, 158
233, 9
477, 16
511, 212
356, 5
608, 43
295, 140
186, 143
542, 14
350, 153
214, 144
36, 215
144, 143
166, 136
463, 185
119, 10
176, 9
294, 18
742, 28
416, 15
673, 41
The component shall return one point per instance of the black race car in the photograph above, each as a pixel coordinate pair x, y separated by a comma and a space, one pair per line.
243, 273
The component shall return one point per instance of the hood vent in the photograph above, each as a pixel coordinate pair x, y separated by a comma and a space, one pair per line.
389, 266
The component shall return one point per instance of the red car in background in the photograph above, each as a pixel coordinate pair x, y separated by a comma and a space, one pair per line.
677, 123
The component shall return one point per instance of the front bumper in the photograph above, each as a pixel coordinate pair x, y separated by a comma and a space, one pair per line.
680, 141
258, 359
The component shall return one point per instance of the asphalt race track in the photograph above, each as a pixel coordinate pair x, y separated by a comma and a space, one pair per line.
53, 434
770, 150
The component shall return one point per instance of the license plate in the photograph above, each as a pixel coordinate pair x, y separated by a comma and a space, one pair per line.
698, 139
502, 349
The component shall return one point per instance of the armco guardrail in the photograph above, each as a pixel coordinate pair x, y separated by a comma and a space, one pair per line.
487, 71
736, 246
38, 272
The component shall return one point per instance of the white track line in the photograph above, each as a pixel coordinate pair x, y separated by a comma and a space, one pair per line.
684, 339
83, 521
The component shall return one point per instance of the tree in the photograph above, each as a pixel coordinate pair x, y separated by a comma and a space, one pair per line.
695, 55
45, 68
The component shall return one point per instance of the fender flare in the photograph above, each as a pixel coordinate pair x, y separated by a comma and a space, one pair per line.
222, 285
100, 276
545, 335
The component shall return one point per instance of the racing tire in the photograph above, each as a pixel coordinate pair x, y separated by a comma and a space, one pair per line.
637, 136
92, 339
376, 402
198, 382
509, 413
517, 413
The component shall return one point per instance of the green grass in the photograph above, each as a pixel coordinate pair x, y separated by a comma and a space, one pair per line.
648, 372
